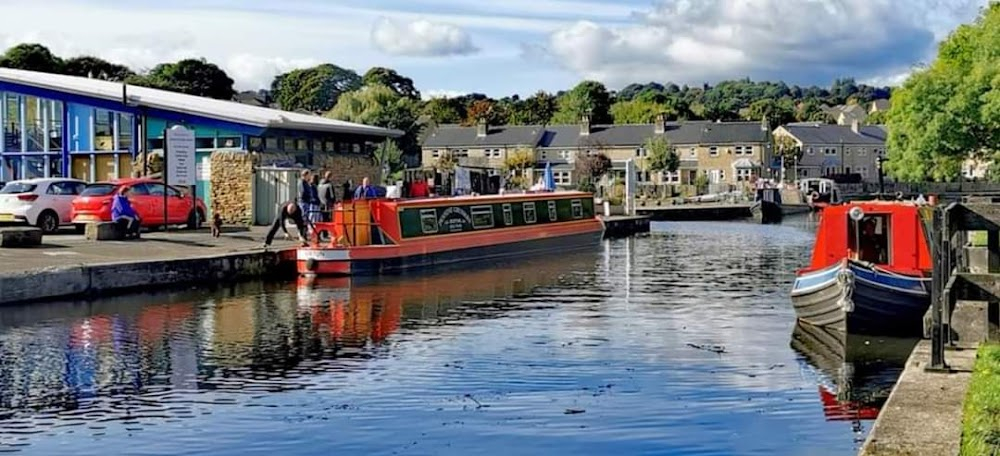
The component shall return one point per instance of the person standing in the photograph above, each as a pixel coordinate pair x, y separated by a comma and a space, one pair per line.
365, 190
327, 195
287, 211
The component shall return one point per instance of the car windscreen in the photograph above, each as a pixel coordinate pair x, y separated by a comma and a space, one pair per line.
98, 190
18, 187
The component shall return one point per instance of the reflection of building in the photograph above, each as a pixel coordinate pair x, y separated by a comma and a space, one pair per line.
56, 125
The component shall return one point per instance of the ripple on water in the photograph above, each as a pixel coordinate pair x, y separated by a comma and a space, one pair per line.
679, 342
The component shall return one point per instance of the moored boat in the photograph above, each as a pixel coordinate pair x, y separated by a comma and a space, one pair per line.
820, 193
870, 270
384, 235
766, 208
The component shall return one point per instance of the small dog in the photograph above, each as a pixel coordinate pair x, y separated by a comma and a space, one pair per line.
216, 225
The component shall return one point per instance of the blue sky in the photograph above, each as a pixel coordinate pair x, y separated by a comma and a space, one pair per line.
506, 46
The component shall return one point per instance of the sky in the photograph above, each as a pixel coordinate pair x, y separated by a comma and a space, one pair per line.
503, 47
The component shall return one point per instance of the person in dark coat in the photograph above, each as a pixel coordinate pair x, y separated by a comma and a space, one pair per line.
286, 211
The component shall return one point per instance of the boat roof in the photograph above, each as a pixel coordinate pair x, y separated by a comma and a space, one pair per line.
489, 199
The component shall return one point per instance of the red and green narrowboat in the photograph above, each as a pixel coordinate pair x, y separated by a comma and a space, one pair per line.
385, 235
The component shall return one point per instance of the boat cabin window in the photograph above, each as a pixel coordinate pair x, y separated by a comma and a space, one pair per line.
508, 215
482, 217
529, 212
553, 215
577, 209
428, 221
873, 238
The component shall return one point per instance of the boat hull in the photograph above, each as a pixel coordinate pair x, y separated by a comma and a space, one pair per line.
389, 259
766, 212
852, 297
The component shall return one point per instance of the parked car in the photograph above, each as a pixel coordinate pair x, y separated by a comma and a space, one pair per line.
146, 197
45, 203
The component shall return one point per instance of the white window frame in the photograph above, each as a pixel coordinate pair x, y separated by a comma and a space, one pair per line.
508, 215
482, 210
432, 215
713, 151
534, 212
577, 206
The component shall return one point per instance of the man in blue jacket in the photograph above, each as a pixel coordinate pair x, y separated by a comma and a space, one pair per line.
123, 214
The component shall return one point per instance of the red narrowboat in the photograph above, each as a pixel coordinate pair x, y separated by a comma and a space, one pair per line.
384, 235
870, 270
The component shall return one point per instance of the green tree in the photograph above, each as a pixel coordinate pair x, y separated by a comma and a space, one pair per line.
444, 111
537, 109
484, 110
190, 76
389, 155
381, 106
391, 79
89, 66
32, 57
316, 89
661, 157
776, 112
639, 111
590, 170
588, 97
950, 110
877, 118
789, 150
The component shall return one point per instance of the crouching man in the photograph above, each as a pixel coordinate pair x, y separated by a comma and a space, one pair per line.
289, 210
123, 214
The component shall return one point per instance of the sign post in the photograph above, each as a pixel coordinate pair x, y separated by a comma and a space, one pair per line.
179, 166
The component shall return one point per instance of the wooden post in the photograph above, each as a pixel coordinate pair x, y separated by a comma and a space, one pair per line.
938, 281
993, 249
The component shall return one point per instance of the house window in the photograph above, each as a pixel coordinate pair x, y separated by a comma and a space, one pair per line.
862, 151
847, 151
713, 151
566, 155
230, 142
482, 217
738, 150
671, 177
428, 221
561, 177
302, 144
693, 153
810, 151
460, 153
553, 216
829, 151
529, 212
743, 174
495, 153
722, 175
641, 152
435, 153
577, 209
508, 215
329, 146
204, 143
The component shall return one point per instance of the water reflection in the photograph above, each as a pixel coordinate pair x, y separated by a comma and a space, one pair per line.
857, 372
592, 353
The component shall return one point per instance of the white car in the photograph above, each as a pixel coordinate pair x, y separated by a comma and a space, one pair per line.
45, 203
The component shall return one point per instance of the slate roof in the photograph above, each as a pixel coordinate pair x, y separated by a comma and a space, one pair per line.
565, 136
454, 136
881, 104
819, 133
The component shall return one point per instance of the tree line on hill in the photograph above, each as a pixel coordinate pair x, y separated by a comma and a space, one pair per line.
943, 114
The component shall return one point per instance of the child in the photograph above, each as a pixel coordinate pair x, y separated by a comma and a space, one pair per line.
216, 225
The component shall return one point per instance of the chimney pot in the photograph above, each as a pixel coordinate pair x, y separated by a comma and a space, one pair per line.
585, 125
661, 123
855, 126
482, 128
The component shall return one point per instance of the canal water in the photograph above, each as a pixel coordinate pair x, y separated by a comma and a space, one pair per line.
682, 342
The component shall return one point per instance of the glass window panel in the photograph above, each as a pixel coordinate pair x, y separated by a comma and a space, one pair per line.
230, 142
55, 127
103, 130
34, 166
271, 143
204, 143
34, 125
125, 126
12, 166
55, 166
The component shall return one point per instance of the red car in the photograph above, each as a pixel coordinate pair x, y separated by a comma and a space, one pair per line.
146, 197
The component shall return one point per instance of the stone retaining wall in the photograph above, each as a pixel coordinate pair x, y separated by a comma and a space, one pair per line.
232, 179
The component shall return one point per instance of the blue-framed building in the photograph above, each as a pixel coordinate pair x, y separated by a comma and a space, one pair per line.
56, 125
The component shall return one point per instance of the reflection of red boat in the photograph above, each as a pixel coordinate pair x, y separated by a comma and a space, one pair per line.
375, 236
836, 410
858, 372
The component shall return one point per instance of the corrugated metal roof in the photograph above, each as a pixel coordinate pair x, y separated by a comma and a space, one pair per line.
230, 111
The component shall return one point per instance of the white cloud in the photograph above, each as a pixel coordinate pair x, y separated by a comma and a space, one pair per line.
429, 94
256, 72
421, 38
808, 41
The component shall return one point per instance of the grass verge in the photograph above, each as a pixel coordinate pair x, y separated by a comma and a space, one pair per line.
981, 412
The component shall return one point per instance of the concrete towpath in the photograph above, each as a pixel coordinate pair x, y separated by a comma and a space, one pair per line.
68, 264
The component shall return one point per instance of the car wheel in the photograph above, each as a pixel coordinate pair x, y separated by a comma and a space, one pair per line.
48, 221
195, 220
